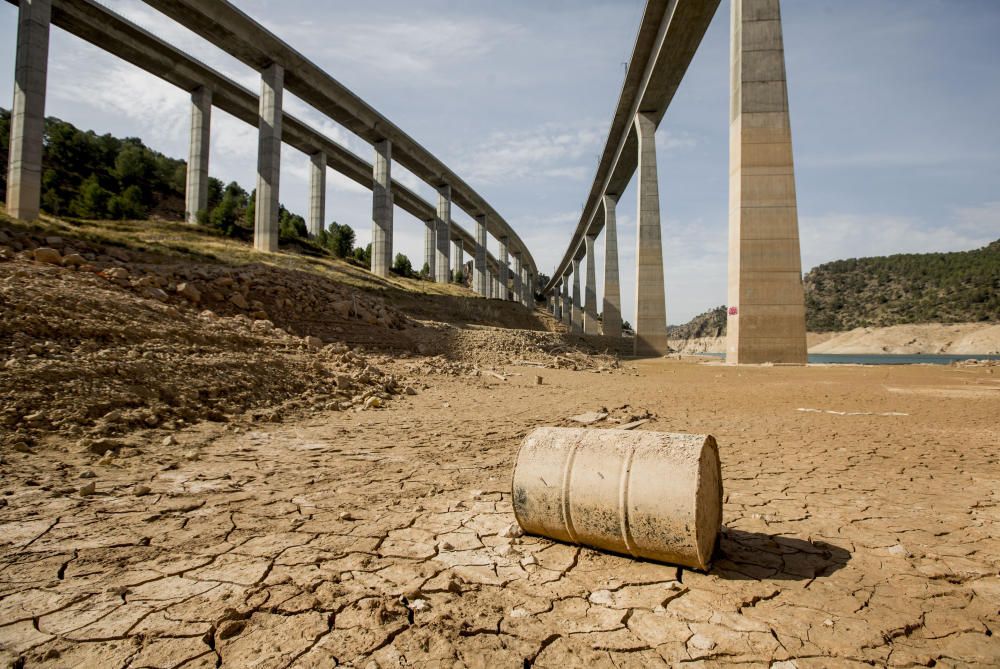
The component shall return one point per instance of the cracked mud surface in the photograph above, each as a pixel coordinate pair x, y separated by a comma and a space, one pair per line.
377, 539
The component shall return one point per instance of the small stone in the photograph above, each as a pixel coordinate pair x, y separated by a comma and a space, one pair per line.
88, 474
410, 390
512, 531
701, 642
22, 447
346, 515
141, 490
192, 455
529, 561
240, 302
314, 343
88, 489
46, 255
445, 546
117, 273
73, 260
231, 628
503, 550
538, 380
419, 605
602, 597
373, 403
828, 622
189, 292
476, 494
169, 440
899, 550
107, 459
102, 446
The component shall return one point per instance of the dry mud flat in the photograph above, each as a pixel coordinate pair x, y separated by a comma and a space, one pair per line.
867, 536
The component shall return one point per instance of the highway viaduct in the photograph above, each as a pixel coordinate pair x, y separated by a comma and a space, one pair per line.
766, 314
280, 67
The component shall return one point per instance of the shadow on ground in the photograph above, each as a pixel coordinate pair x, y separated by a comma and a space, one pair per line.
759, 556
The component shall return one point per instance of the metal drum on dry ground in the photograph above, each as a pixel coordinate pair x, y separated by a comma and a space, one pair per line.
647, 494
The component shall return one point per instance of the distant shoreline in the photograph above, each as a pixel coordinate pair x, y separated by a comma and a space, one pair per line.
926, 338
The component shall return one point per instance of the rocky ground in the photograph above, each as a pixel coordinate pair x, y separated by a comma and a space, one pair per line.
188, 483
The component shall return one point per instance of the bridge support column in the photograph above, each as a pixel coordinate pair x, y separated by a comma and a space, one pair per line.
317, 193
527, 288
488, 283
612, 318
504, 270
196, 186
272, 85
576, 324
442, 256
516, 279
766, 321
590, 325
479, 265
382, 209
557, 302
650, 301
27, 116
567, 309
459, 262
430, 242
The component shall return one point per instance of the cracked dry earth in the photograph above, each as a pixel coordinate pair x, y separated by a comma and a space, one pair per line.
377, 539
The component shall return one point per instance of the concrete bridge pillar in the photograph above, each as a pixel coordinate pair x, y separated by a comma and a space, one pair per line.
489, 283
479, 264
430, 242
528, 288
317, 193
382, 209
576, 323
516, 288
459, 260
196, 185
590, 325
442, 256
650, 301
27, 116
766, 317
612, 317
504, 271
567, 309
272, 86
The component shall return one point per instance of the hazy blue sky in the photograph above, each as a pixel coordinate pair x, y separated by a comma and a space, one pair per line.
895, 116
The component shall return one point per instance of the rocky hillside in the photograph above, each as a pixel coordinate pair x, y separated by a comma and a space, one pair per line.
905, 289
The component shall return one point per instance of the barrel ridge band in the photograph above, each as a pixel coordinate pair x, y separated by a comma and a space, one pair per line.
567, 472
623, 489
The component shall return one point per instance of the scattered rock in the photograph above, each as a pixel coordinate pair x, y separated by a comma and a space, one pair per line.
589, 418
701, 642
47, 255
141, 490
314, 343
102, 446
73, 260
899, 550
22, 447
231, 628
373, 403
169, 440
88, 489
189, 292
240, 302
410, 390
512, 531
88, 474
346, 515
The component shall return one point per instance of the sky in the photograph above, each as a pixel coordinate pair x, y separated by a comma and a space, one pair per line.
894, 109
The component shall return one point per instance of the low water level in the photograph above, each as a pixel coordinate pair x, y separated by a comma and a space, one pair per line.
883, 359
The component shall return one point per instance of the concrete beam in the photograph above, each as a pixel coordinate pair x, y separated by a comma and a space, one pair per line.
317, 193
442, 256
196, 188
766, 317
576, 323
27, 117
381, 259
612, 318
265, 232
479, 268
590, 324
650, 301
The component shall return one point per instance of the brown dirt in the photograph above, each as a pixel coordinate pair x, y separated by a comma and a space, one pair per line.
862, 505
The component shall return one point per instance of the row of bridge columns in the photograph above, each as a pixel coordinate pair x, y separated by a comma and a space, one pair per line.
766, 315
25, 170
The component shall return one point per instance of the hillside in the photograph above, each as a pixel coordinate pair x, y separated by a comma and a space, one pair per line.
959, 287
905, 289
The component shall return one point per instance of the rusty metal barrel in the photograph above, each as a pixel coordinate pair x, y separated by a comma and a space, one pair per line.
650, 495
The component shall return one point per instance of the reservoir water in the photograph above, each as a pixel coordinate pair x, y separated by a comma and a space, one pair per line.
882, 359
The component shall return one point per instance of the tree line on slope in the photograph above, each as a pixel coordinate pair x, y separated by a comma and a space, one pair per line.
95, 177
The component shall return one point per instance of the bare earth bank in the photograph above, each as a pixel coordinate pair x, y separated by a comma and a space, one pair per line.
931, 338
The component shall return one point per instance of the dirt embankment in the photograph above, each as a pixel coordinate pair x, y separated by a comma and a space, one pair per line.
931, 338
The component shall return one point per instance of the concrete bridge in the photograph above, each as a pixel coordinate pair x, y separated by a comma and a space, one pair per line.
766, 321
281, 67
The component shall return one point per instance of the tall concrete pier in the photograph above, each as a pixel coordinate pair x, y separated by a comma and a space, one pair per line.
612, 317
517, 288
430, 244
766, 321
265, 232
567, 308
576, 322
442, 255
459, 260
381, 259
590, 324
504, 270
479, 265
650, 301
27, 117
196, 188
317, 193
